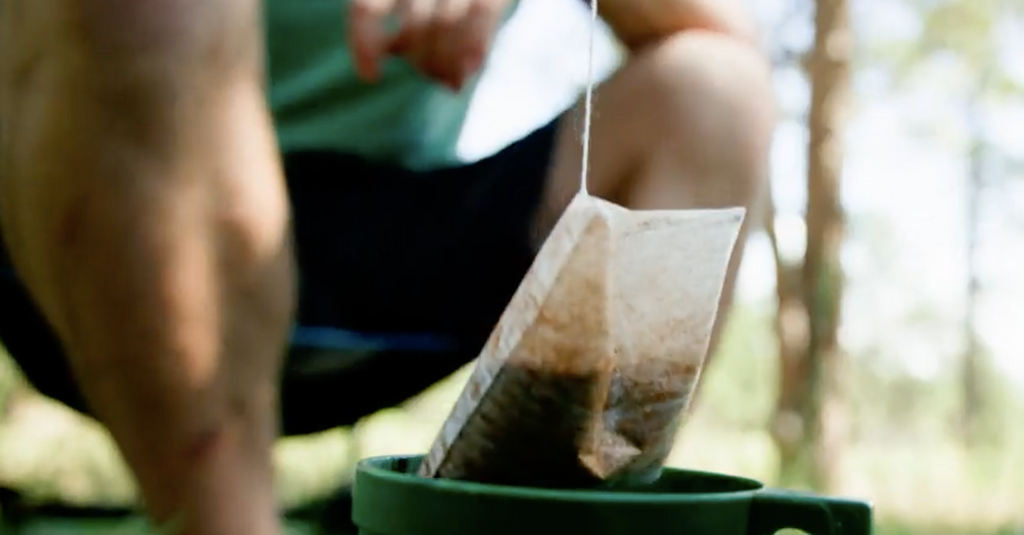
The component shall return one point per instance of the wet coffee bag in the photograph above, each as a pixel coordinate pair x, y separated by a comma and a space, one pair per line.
586, 376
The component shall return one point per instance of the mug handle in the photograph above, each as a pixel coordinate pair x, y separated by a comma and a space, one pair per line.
773, 510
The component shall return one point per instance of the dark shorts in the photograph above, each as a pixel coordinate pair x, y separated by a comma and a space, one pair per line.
402, 276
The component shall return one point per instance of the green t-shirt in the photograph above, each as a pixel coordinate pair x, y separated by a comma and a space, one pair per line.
319, 103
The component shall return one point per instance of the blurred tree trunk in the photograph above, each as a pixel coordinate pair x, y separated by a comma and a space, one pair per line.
822, 283
970, 366
809, 421
791, 328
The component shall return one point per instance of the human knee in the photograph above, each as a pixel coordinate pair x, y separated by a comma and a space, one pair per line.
709, 99
147, 30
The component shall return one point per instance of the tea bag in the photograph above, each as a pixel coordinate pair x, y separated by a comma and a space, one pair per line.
668, 270
587, 375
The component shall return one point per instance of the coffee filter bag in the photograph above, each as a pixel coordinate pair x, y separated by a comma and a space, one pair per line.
587, 375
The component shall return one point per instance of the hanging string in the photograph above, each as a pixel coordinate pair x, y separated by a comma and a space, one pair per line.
588, 112
588, 102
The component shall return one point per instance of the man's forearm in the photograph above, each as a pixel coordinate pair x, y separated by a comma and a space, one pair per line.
144, 207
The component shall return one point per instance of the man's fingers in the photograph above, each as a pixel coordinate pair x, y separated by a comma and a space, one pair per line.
446, 40
414, 17
443, 59
367, 35
479, 26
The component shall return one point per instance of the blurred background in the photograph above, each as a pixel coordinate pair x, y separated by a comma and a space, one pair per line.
875, 349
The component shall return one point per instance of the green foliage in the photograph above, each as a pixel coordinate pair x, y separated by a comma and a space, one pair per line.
887, 528
739, 389
888, 402
129, 526
133, 527
965, 31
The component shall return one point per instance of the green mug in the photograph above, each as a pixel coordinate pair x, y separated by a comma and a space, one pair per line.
390, 499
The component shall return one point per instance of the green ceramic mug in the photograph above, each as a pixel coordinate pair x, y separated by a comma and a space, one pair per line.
390, 499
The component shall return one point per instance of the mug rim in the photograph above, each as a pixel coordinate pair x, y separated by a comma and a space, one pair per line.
372, 467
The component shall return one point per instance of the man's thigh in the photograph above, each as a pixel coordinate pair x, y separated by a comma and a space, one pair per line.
402, 276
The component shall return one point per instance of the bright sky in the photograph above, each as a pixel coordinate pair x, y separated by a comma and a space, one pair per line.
904, 190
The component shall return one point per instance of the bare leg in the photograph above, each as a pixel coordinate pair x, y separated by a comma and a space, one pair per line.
686, 123
143, 204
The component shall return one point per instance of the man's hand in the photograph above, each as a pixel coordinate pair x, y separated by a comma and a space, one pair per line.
447, 40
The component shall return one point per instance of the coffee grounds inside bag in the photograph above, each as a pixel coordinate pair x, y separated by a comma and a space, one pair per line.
534, 428
645, 407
